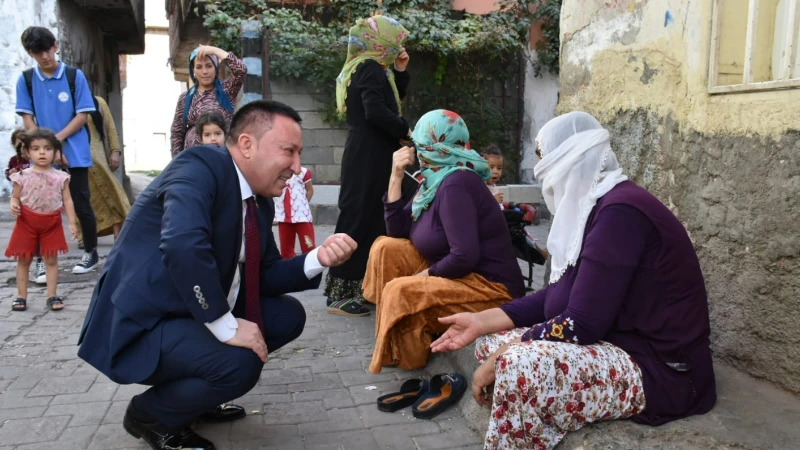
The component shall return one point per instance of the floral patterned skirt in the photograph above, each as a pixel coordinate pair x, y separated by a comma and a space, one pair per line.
544, 389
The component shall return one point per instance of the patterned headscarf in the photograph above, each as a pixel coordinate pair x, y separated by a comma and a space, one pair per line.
442, 141
222, 97
379, 38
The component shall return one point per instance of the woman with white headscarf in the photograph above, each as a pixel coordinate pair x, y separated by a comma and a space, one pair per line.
622, 331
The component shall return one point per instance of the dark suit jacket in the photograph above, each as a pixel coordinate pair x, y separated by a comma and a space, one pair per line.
180, 241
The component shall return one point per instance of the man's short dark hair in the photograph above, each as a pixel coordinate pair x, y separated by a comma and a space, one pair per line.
37, 39
491, 150
256, 118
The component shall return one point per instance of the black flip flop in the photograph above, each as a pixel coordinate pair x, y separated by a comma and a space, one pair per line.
20, 304
410, 392
445, 389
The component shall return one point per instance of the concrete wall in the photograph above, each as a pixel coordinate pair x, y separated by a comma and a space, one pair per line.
727, 165
540, 101
151, 94
324, 144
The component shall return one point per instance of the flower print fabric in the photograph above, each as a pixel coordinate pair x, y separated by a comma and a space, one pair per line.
41, 191
544, 389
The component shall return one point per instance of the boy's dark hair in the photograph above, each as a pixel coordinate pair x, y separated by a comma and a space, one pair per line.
43, 134
259, 112
37, 39
213, 117
491, 150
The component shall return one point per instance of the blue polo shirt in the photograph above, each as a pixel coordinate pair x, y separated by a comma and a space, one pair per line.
54, 109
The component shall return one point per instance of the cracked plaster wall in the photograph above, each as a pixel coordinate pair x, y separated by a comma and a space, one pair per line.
727, 165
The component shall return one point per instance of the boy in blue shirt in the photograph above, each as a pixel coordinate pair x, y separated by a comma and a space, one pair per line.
54, 107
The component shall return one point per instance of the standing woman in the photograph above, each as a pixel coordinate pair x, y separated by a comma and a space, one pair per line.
209, 93
368, 92
109, 201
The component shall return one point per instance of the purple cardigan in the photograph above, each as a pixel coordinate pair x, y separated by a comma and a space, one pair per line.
637, 285
463, 231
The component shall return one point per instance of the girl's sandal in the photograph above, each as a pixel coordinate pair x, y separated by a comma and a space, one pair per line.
55, 303
20, 304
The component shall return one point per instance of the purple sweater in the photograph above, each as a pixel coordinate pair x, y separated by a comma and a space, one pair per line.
638, 285
462, 232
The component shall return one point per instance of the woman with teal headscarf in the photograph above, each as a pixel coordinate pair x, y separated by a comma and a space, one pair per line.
448, 250
369, 91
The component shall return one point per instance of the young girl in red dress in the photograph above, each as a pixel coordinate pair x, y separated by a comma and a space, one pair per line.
40, 194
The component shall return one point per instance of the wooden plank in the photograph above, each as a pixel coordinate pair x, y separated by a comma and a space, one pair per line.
791, 36
713, 64
752, 28
754, 87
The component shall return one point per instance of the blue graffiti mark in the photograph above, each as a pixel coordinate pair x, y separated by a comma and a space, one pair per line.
668, 19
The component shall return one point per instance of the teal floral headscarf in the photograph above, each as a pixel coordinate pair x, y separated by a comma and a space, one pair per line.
442, 141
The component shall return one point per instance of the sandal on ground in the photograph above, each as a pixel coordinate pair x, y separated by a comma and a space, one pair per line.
55, 304
410, 391
20, 304
445, 389
347, 307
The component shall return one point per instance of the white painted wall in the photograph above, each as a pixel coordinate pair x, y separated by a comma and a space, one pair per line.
15, 16
150, 96
541, 99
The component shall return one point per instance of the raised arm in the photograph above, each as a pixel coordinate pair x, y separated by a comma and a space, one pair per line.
609, 259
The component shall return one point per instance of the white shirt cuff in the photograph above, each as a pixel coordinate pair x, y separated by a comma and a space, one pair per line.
224, 328
312, 267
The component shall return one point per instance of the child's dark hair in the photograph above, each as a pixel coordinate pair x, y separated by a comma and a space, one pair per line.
37, 39
43, 134
18, 135
491, 150
213, 117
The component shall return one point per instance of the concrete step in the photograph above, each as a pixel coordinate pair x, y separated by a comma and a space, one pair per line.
750, 414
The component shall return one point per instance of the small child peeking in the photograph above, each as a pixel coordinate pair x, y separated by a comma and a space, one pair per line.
39, 195
211, 128
494, 157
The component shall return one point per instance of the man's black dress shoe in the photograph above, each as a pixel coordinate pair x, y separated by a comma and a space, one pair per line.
223, 413
161, 437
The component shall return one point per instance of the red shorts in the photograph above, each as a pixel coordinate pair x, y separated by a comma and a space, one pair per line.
36, 231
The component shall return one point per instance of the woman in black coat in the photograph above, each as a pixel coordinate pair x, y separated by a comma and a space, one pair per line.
369, 90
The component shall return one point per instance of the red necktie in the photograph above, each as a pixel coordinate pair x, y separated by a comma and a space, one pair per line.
252, 261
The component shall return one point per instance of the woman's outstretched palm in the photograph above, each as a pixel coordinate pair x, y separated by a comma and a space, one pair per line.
464, 329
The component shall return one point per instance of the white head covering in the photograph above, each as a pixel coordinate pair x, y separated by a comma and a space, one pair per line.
577, 168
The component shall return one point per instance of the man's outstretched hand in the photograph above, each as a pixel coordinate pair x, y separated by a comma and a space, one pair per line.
336, 250
249, 336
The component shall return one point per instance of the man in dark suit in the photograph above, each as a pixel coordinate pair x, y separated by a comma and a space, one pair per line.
191, 298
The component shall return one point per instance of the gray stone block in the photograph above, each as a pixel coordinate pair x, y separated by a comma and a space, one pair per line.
361, 439
316, 155
399, 437
295, 413
28, 431
326, 215
332, 398
63, 385
327, 173
21, 413
299, 102
82, 413
99, 392
321, 382
313, 120
455, 433
338, 153
112, 436
285, 376
338, 420
115, 413
72, 437
359, 376
325, 137
17, 399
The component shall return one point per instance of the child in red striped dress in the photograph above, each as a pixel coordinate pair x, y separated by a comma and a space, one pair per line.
293, 214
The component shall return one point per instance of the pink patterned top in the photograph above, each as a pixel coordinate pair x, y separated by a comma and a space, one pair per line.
204, 102
41, 191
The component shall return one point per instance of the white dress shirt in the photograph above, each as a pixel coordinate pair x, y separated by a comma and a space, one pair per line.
225, 327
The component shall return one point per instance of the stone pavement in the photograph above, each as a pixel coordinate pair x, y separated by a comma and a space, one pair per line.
313, 394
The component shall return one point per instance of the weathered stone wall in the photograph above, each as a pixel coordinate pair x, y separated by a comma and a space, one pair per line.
726, 165
15, 16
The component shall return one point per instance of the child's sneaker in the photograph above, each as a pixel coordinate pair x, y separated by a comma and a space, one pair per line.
40, 276
88, 263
